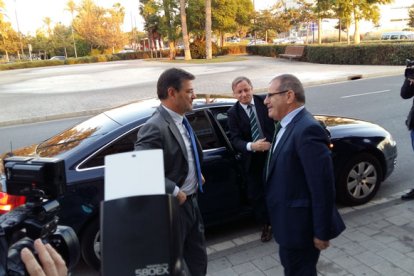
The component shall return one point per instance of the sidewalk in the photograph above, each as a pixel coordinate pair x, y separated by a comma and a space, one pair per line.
379, 240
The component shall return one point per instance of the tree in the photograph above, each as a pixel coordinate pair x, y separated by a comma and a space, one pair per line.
411, 16
71, 7
362, 9
99, 27
209, 49
186, 41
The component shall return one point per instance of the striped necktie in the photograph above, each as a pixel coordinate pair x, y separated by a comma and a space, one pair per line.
253, 124
187, 125
278, 126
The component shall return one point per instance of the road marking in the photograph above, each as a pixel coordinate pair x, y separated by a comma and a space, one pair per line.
364, 94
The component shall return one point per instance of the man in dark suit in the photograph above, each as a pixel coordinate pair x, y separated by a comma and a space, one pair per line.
299, 186
167, 130
251, 132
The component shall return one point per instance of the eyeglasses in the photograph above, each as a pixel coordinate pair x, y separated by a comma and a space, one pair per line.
275, 93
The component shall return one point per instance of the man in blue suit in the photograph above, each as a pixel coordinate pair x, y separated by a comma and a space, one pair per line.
299, 180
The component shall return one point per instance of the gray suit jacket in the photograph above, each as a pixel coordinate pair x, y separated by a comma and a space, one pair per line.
160, 132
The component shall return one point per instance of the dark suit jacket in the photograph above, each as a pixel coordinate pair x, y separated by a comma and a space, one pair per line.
160, 132
300, 189
240, 131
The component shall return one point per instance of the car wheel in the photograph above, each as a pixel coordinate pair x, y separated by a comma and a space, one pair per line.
90, 245
359, 180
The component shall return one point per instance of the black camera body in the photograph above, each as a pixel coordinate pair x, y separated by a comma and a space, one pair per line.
42, 181
409, 71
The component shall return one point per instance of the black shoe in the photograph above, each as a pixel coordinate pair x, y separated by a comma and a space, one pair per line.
408, 196
266, 233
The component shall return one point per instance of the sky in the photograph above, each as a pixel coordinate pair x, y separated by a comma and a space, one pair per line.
30, 13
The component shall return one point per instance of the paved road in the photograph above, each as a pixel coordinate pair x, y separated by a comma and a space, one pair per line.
38, 94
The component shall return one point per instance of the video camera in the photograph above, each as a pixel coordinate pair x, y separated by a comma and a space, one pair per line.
409, 71
42, 181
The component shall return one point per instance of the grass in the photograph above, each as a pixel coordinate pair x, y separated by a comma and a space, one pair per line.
217, 59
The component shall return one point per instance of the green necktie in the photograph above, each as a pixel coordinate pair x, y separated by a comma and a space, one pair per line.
253, 124
278, 126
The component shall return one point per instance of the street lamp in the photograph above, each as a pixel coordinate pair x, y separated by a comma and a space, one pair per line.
18, 28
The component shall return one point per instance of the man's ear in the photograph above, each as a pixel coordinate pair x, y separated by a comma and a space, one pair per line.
171, 92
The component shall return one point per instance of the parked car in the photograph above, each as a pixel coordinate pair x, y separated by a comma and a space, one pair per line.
403, 35
58, 58
363, 154
256, 42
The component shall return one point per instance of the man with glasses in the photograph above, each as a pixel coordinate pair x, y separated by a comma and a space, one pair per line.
299, 185
251, 132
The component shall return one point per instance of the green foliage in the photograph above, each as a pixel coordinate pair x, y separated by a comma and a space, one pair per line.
266, 50
389, 53
198, 49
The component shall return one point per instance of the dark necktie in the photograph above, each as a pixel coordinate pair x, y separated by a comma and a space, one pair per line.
253, 124
195, 153
278, 126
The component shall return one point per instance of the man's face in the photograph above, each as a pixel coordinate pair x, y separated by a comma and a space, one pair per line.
277, 101
243, 92
183, 98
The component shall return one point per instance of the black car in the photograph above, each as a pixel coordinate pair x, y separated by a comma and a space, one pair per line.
364, 155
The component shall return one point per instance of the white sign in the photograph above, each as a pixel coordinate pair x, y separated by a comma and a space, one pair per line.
134, 173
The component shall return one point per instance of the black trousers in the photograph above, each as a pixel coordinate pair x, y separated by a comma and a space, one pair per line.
192, 233
255, 188
299, 262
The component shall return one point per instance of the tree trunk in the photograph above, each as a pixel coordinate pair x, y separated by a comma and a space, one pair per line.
209, 50
357, 38
186, 40
348, 37
319, 30
340, 30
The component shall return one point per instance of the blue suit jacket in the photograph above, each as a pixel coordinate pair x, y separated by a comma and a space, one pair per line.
300, 188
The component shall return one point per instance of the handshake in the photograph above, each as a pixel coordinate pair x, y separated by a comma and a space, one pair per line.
409, 71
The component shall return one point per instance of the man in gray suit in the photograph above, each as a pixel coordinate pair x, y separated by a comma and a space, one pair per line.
167, 129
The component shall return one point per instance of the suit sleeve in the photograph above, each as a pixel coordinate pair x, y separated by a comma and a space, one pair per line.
149, 137
316, 160
407, 90
236, 135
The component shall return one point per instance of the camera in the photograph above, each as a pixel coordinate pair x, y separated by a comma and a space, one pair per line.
42, 181
409, 71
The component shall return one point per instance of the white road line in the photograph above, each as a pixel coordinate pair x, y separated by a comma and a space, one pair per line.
364, 94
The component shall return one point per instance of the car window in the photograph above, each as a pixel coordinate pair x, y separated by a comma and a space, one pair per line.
204, 130
394, 36
123, 144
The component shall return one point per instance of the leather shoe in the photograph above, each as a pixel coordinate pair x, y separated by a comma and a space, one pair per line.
266, 233
408, 196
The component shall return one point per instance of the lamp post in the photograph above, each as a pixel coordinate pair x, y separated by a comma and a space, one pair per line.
18, 28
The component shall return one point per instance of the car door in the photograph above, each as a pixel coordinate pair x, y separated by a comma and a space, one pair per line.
224, 189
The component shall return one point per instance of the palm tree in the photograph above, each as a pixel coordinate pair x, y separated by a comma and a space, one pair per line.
71, 6
209, 51
187, 53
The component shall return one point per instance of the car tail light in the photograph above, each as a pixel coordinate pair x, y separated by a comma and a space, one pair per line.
9, 202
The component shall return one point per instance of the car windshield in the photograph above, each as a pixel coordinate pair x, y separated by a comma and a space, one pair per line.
84, 132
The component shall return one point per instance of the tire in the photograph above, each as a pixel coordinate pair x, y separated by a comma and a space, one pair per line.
90, 245
359, 180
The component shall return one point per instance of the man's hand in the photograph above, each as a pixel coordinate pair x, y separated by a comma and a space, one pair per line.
182, 197
261, 145
320, 244
51, 263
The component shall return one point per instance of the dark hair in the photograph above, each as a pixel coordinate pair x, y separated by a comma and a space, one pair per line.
290, 82
172, 77
238, 80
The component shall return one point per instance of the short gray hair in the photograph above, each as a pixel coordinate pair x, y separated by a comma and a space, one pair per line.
238, 80
290, 82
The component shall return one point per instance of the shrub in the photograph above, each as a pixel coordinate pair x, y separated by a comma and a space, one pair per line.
198, 49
